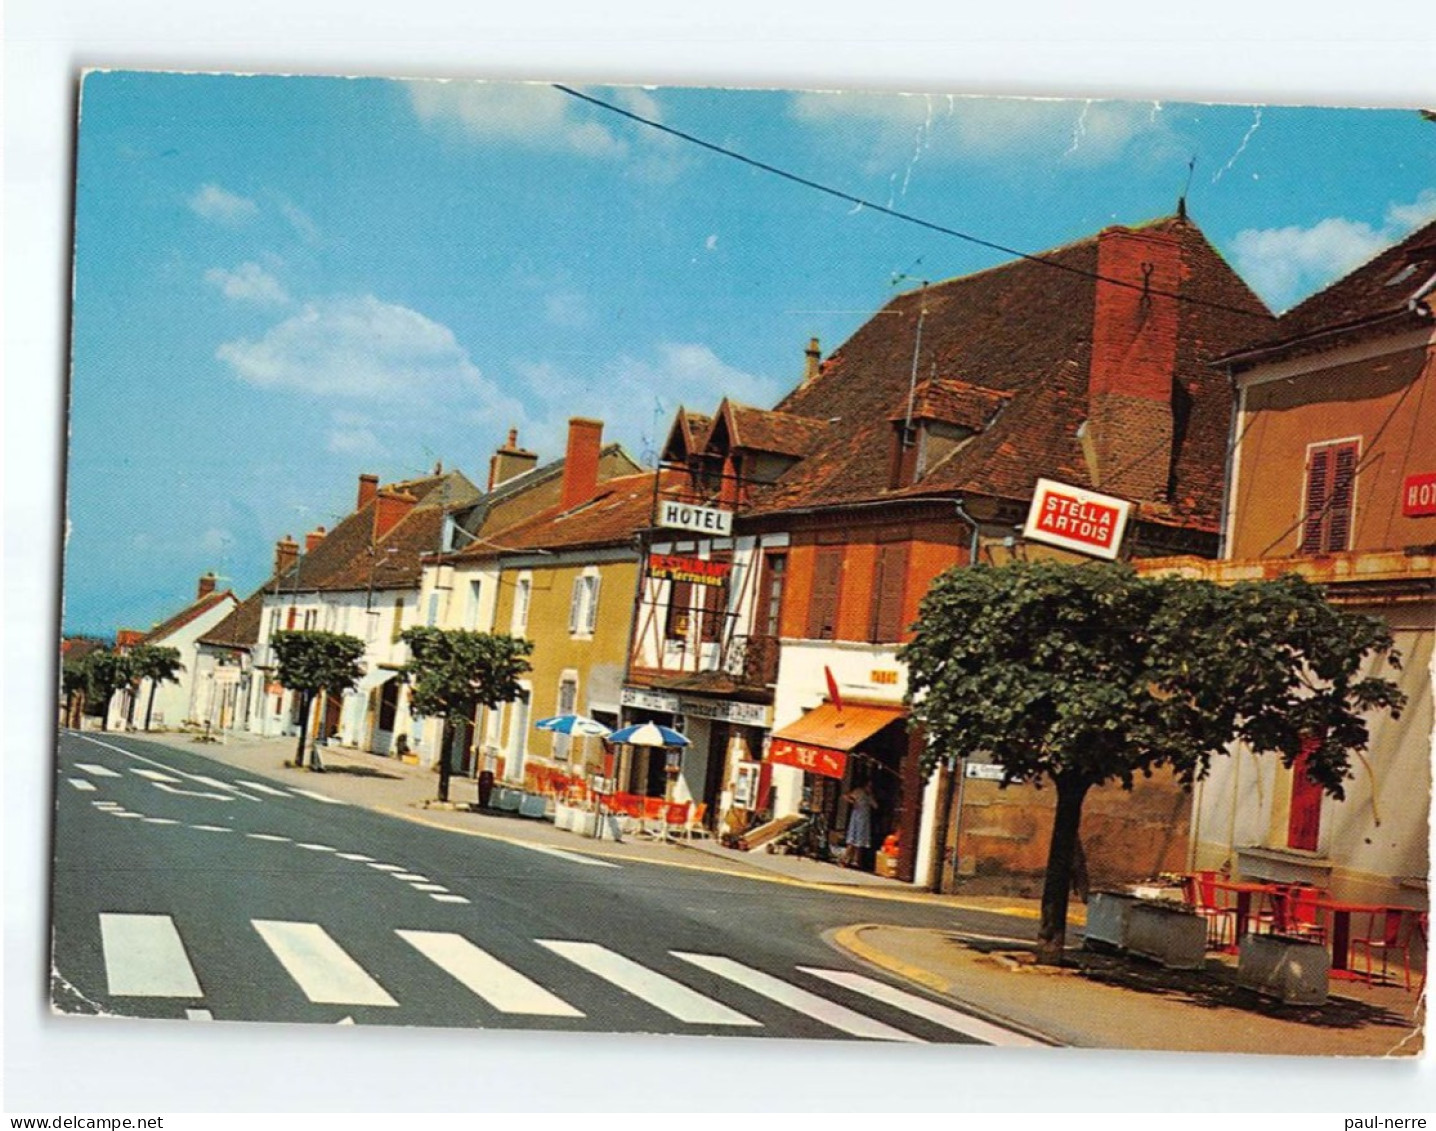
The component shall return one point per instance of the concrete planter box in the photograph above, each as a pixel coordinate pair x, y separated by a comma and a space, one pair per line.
563, 816
1169, 934
584, 822
506, 799
1108, 913
533, 805
1294, 971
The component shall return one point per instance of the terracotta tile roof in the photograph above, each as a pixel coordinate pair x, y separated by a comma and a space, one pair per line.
187, 615
764, 430
619, 509
1379, 291
241, 628
1008, 349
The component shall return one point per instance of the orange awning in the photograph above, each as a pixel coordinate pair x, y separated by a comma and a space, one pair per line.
833, 729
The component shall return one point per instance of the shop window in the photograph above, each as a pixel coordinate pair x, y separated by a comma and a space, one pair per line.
1303, 827
1330, 491
889, 577
823, 606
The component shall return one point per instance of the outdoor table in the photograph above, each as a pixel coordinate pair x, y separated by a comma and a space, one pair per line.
1244, 891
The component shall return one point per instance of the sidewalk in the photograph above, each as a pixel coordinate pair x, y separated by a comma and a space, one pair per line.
1099, 1001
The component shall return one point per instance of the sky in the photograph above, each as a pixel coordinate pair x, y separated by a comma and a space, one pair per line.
282, 282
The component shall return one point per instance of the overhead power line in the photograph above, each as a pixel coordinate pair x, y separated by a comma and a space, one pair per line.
897, 214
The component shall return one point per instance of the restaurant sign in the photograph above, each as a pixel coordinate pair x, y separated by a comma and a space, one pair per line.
1418, 495
1066, 516
681, 567
813, 759
728, 711
686, 516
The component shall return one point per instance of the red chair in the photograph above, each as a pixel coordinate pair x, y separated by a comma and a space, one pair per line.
1297, 914
1201, 893
1394, 938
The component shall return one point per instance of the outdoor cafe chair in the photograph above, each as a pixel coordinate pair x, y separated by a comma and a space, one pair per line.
1201, 894
1394, 937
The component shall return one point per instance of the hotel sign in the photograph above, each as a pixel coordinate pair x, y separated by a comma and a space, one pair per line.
1075, 519
681, 567
1418, 495
813, 759
703, 520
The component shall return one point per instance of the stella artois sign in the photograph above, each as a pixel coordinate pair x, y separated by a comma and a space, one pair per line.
1076, 519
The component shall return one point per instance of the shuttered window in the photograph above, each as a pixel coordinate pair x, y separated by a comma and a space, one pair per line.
680, 601
590, 618
1303, 828
889, 577
823, 606
715, 604
1330, 492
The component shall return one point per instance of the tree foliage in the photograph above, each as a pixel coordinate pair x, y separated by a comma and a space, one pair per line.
313, 662
106, 672
1087, 674
451, 673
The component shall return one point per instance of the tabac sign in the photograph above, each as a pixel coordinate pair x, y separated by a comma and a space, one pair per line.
814, 759
685, 516
682, 567
1076, 519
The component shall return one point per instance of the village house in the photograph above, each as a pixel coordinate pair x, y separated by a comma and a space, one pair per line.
1333, 477
916, 447
224, 683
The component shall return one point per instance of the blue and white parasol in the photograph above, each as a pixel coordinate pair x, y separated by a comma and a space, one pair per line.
573, 724
648, 734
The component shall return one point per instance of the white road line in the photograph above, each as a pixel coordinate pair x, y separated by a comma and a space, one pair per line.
386, 867
315, 796
153, 775
413, 877
210, 828
502, 987
106, 804
840, 1017
948, 1018
429, 887
449, 898
359, 856
161, 821
192, 792
658, 990
571, 857
215, 782
126, 813
259, 785
144, 957
84, 785
316, 847
320, 966
96, 771
267, 836
199, 1015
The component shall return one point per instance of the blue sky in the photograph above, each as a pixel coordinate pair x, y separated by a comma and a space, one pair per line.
282, 282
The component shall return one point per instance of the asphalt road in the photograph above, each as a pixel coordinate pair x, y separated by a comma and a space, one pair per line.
185, 888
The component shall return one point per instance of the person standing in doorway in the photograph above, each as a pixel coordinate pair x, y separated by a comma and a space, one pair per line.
860, 824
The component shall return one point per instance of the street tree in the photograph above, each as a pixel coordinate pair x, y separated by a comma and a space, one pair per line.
74, 682
1079, 675
157, 664
311, 663
452, 673
106, 672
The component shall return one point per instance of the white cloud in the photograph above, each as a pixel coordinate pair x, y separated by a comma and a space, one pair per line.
711, 243
893, 128
355, 347
249, 282
300, 221
354, 441
1285, 264
215, 203
532, 115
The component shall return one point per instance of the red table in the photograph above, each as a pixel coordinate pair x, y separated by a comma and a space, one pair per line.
1340, 933
1244, 892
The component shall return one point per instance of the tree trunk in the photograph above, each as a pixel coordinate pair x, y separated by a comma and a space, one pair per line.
1057, 884
150, 705
319, 707
307, 701
446, 737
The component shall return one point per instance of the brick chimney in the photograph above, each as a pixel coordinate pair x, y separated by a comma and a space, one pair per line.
368, 488
206, 586
580, 461
286, 553
813, 361
510, 461
1129, 432
313, 538
390, 509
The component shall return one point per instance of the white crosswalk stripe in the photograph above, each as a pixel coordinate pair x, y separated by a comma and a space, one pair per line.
96, 771
154, 775
840, 1017
315, 796
262, 788
938, 1014
84, 785
502, 987
658, 990
321, 967
144, 957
